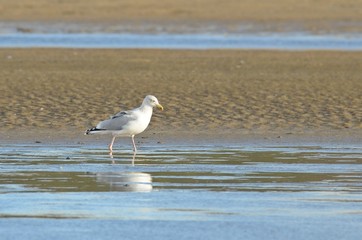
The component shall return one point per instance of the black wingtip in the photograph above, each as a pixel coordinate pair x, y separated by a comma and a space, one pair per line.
91, 130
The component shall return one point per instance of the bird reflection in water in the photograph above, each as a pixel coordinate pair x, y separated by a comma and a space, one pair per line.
126, 181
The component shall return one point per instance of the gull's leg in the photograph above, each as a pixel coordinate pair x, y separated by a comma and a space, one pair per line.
111, 145
134, 150
111, 148
134, 145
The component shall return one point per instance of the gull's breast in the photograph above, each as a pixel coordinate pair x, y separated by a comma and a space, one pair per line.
139, 124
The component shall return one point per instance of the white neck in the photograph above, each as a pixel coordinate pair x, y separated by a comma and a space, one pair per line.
145, 107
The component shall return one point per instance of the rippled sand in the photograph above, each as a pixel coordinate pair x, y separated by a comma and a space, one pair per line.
253, 91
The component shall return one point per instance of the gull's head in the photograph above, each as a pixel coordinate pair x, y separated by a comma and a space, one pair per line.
152, 101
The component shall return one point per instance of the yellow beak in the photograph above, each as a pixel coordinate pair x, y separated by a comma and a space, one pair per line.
159, 106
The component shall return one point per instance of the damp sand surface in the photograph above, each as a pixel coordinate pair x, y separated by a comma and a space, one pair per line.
211, 90
183, 191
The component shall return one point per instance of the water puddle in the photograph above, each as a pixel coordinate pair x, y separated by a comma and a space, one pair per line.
263, 186
281, 41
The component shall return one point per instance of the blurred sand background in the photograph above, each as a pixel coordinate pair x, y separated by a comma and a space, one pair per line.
310, 15
234, 91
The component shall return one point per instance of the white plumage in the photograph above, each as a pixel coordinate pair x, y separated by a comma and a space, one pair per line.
128, 123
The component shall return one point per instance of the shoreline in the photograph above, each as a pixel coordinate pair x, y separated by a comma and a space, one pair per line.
151, 138
181, 27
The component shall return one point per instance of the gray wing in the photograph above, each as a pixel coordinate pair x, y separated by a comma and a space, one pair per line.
117, 121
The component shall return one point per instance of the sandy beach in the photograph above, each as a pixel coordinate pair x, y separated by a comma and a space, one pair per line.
65, 91
281, 15
215, 91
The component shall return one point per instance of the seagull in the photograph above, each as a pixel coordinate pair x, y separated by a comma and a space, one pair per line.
127, 123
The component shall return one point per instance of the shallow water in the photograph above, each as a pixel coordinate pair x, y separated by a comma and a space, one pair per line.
183, 192
281, 41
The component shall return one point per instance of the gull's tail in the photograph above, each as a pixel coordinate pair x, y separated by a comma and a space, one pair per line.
92, 131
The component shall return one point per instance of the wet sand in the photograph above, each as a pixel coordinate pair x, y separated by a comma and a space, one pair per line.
65, 91
280, 15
